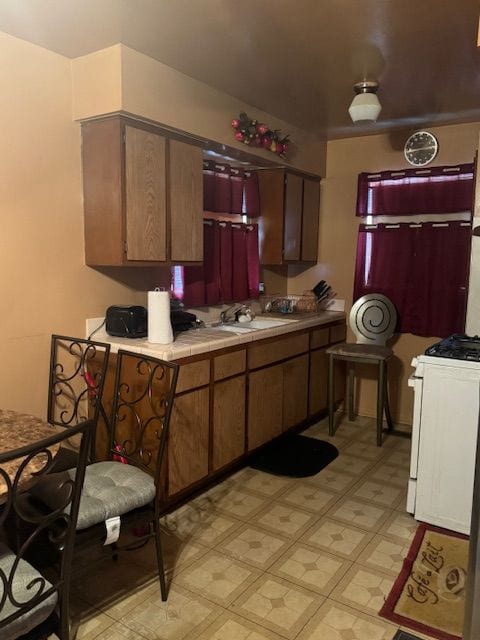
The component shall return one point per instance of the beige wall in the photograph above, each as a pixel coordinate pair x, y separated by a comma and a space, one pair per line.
45, 286
153, 90
338, 233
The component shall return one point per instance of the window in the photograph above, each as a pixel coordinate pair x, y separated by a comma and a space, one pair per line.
422, 265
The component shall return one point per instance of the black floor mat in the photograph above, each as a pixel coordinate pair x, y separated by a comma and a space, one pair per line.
404, 635
295, 456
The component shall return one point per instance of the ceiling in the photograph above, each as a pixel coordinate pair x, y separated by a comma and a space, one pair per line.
296, 59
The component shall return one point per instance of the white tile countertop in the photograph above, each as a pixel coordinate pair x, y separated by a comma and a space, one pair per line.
203, 340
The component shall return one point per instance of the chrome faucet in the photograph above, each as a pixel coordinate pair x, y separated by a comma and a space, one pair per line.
228, 315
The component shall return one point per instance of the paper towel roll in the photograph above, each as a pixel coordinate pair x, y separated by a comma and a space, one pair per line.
159, 325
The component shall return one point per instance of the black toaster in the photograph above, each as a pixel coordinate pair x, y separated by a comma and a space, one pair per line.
126, 321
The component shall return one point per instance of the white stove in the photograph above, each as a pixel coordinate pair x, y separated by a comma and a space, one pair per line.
444, 434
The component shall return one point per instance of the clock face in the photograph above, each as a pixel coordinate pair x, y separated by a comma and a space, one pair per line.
420, 148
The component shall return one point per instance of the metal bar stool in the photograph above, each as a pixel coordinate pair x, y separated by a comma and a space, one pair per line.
372, 318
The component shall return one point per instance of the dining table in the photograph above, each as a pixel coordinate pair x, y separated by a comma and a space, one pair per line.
19, 430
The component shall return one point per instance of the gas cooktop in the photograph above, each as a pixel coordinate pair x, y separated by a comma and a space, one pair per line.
458, 346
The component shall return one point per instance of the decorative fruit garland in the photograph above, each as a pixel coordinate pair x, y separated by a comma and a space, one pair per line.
259, 135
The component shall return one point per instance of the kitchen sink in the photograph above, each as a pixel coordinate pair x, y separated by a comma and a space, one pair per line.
254, 325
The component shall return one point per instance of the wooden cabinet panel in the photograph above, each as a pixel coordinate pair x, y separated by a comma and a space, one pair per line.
295, 391
192, 375
228, 421
311, 207
319, 338
270, 223
186, 202
188, 440
265, 405
229, 364
278, 349
338, 333
102, 150
292, 234
145, 192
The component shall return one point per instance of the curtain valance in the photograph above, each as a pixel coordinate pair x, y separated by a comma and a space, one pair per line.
435, 190
229, 189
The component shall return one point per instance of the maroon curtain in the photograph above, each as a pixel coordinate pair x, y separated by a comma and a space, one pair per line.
225, 231
230, 190
237, 179
211, 261
422, 268
223, 195
208, 185
230, 270
416, 191
253, 260
239, 262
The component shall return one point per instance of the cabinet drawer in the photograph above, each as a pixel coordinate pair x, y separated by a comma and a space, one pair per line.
319, 338
193, 375
264, 354
338, 333
229, 364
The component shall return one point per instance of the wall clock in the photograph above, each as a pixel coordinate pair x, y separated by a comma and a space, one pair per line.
420, 148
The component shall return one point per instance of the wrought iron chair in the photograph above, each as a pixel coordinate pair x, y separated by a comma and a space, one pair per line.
77, 375
372, 319
142, 404
29, 601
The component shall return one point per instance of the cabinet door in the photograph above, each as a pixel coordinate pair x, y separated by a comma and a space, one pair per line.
188, 440
145, 193
228, 421
310, 215
265, 405
295, 391
293, 217
186, 202
271, 184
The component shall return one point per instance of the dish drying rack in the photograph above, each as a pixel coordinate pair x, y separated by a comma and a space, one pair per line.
307, 302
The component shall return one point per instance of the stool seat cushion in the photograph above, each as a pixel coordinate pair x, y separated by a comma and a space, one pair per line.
24, 588
112, 489
366, 351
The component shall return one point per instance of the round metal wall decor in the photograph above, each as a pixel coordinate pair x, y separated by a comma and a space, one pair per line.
373, 318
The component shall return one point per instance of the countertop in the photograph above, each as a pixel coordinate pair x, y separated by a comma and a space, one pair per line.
204, 340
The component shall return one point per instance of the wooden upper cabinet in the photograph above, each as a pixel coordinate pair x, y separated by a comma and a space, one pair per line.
186, 202
288, 224
143, 195
292, 234
310, 219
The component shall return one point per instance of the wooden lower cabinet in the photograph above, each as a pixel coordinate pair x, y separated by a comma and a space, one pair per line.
295, 391
188, 440
265, 410
228, 434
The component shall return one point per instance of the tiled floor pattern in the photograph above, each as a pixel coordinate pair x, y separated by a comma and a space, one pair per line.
261, 557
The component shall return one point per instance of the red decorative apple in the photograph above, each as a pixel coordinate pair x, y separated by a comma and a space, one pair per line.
235, 123
239, 136
266, 142
280, 149
262, 129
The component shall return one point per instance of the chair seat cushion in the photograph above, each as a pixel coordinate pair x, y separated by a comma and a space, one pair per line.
112, 489
367, 351
24, 575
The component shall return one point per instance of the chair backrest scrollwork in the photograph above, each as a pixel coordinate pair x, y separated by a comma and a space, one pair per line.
373, 319
142, 404
21, 471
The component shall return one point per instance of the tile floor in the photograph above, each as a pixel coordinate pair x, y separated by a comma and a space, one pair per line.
261, 557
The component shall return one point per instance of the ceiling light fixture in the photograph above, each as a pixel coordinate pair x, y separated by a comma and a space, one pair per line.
365, 106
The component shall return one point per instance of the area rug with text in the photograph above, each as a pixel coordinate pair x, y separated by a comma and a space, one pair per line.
429, 594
